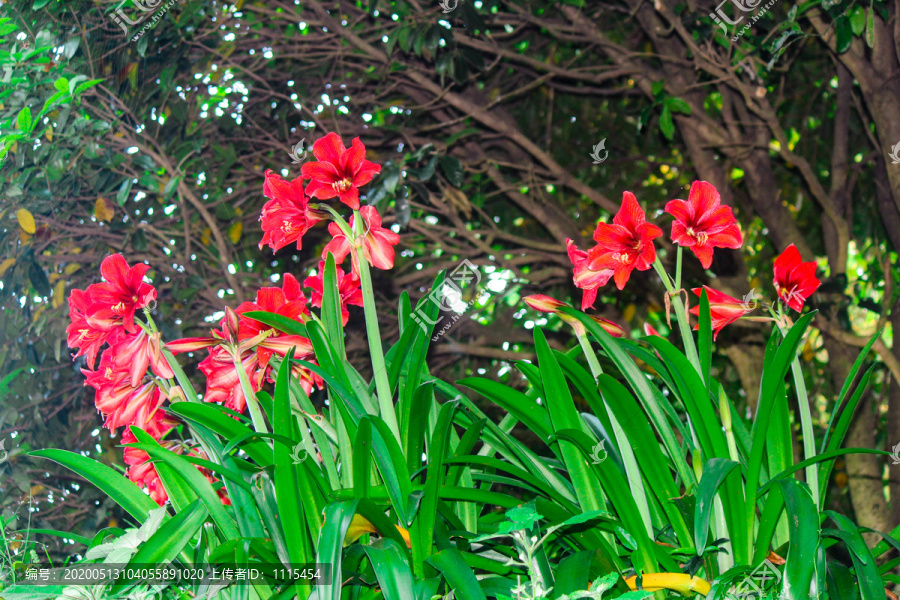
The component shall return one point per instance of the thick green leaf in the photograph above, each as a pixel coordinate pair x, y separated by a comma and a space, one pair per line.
391, 569
288, 490
112, 483
714, 472
329, 549
196, 480
533, 415
428, 509
279, 322
168, 541
459, 576
803, 523
331, 305
648, 395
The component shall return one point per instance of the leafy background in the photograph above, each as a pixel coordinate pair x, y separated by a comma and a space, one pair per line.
484, 120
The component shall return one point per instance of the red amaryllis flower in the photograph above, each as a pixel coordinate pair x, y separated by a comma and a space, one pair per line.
377, 242
142, 472
123, 292
795, 280
222, 381
547, 304
288, 301
348, 288
723, 309
626, 244
118, 400
286, 217
586, 279
138, 351
80, 334
702, 223
339, 171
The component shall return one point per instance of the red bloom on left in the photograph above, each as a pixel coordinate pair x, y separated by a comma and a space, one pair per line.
340, 171
114, 301
81, 334
625, 244
702, 223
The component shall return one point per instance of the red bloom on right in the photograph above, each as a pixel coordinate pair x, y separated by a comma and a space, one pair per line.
795, 280
702, 223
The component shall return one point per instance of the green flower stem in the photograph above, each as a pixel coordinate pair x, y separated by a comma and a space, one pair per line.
678, 269
625, 450
681, 316
382, 385
259, 423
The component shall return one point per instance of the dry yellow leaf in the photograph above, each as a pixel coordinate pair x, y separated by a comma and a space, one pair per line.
71, 268
6, 264
628, 313
38, 312
59, 293
235, 231
26, 220
103, 209
24, 238
36, 489
49, 134
204, 236
54, 277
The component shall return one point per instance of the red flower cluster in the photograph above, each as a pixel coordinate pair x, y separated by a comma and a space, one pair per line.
622, 246
102, 314
253, 343
701, 224
339, 172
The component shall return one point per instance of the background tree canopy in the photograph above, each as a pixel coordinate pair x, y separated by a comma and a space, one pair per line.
485, 119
